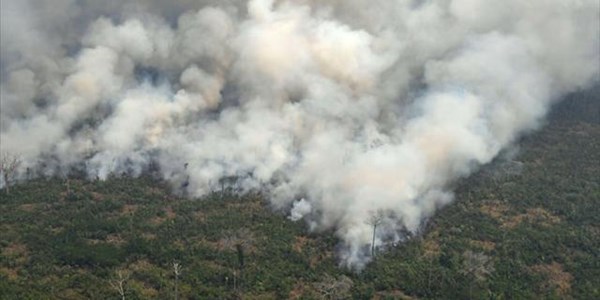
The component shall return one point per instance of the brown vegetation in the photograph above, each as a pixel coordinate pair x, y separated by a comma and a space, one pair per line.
557, 278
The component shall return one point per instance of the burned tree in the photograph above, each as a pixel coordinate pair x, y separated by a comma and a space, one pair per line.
375, 219
9, 164
239, 241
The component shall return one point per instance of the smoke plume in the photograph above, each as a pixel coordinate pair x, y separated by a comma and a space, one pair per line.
339, 110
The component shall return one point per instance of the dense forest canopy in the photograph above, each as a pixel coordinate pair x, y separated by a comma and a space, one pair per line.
353, 116
527, 226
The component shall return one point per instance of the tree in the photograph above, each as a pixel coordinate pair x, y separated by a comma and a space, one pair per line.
334, 288
228, 182
118, 283
239, 241
9, 163
177, 271
375, 219
476, 265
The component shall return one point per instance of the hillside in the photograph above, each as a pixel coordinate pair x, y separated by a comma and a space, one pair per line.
526, 226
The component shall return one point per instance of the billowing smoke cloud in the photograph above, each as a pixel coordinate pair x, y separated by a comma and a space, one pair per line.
338, 109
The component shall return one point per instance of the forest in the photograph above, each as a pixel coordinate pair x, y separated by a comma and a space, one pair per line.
526, 226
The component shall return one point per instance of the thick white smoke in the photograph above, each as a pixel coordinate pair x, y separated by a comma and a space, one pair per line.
339, 109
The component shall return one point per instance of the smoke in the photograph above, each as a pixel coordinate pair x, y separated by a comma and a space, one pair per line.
338, 109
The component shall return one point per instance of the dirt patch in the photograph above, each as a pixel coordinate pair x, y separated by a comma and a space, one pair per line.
157, 220
27, 207
510, 222
300, 242
168, 214
254, 206
15, 250
129, 209
485, 245
11, 274
542, 216
318, 258
115, 239
141, 265
431, 248
494, 209
556, 277
297, 291
500, 212
534, 215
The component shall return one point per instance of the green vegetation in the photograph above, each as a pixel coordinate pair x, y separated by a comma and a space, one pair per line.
526, 228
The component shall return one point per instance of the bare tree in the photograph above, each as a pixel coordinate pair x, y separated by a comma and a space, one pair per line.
239, 240
332, 288
477, 265
8, 167
177, 271
118, 283
375, 219
228, 183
